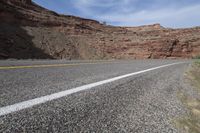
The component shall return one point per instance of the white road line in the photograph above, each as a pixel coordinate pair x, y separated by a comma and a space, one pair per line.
30, 103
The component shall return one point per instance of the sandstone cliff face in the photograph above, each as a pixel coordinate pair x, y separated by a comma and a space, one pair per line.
30, 31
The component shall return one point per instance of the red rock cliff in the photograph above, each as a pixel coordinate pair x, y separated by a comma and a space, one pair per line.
30, 31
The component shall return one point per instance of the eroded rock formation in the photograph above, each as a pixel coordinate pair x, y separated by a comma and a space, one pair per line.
30, 31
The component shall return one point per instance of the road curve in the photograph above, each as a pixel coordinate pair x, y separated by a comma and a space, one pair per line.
143, 102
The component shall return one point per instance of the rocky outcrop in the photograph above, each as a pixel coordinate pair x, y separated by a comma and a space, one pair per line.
30, 31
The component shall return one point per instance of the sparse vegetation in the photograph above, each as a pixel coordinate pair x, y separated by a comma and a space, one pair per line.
191, 123
195, 75
104, 23
196, 57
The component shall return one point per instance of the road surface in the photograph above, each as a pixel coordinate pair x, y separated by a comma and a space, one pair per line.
90, 96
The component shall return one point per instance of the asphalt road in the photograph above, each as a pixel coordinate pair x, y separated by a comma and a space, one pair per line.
146, 102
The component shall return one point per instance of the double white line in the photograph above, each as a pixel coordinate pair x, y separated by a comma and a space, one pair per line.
30, 103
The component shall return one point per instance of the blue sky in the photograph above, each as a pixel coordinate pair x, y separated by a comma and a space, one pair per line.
169, 13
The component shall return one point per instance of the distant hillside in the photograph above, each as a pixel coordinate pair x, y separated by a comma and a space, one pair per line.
30, 31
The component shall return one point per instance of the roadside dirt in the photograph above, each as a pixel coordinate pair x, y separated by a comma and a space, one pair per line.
191, 122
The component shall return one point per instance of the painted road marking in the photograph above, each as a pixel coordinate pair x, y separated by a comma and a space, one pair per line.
50, 65
30, 103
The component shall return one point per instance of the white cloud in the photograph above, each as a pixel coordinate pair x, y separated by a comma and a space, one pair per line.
122, 13
86, 7
102, 3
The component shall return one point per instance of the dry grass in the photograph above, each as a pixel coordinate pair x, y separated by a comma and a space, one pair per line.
191, 123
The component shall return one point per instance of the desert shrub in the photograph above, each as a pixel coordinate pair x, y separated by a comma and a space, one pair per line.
196, 57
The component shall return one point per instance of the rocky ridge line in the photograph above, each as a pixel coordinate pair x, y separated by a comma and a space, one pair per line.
30, 31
